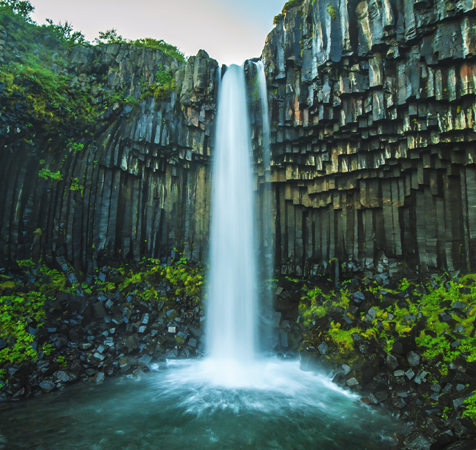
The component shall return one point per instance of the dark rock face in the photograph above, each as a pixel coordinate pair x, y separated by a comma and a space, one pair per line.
142, 181
461, 445
372, 129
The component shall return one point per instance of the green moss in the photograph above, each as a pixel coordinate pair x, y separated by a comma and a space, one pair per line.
48, 175
287, 6
44, 96
75, 186
470, 411
424, 311
163, 86
331, 11
278, 18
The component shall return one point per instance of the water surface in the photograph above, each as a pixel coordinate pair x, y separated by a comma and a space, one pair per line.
197, 405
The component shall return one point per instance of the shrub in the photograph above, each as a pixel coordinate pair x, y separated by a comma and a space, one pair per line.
20, 8
65, 33
111, 37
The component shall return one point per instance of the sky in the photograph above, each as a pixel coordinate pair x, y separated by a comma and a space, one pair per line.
230, 31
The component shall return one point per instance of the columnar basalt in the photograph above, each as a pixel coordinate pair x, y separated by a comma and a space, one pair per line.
372, 130
372, 119
139, 185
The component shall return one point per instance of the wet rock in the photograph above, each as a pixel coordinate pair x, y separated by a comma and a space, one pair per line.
323, 348
399, 403
413, 359
171, 354
381, 396
145, 359
99, 310
352, 382
47, 385
61, 376
131, 343
461, 445
418, 441
420, 378
404, 345
458, 402
99, 378
392, 362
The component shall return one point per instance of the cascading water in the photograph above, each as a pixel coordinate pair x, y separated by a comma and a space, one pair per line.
231, 316
232, 399
269, 338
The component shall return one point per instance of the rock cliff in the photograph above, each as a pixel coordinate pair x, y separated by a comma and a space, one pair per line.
372, 130
130, 183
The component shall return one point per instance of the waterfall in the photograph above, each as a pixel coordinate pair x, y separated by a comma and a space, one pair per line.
232, 296
266, 213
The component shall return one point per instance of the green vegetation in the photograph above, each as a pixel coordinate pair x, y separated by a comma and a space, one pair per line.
278, 18
65, 33
331, 11
48, 175
287, 6
389, 321
24, 305
291, 4
75, 186
164, 47
22, 309
470, 411
44, 103
440, 317
185, 280
20, 8
162, 87
44, 96
111, 37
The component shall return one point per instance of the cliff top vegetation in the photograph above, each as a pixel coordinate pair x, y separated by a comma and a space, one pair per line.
22, 9
287, 6
42, 96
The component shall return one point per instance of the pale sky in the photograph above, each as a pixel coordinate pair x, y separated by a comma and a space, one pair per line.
228, 30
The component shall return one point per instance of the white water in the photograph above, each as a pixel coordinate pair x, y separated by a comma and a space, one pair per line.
232, 298
267, 243
232, 399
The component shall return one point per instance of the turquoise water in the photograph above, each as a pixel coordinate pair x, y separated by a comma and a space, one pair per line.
195, 405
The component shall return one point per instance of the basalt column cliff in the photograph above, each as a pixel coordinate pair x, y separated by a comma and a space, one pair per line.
373, 127
131, 182
372, 113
